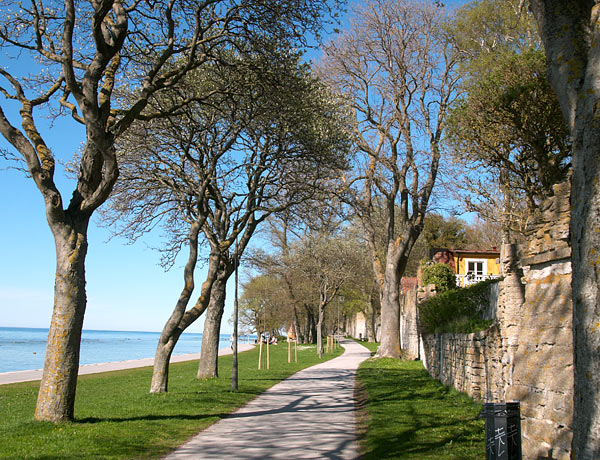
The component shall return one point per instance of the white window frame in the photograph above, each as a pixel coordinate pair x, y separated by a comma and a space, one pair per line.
483, 261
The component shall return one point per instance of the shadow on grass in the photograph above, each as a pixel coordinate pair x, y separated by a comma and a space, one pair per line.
148, 418
410, 416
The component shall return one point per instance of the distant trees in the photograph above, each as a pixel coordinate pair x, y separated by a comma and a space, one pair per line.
261, 140
326, 263
445, 232
311, 269
83, 57
263, 306
396, 70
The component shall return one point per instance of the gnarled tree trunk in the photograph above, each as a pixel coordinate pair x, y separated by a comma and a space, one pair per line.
56, 397
181, 319
209, 354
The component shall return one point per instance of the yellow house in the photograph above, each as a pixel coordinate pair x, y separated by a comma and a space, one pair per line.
470, 266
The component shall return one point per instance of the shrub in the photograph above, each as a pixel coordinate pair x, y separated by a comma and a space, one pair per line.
456, 310
441, 275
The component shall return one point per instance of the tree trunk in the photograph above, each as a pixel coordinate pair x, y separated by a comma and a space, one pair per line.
180, 319
296, 323
320, 329
585, 260
390, 315
569, 32
311, 331
56, 397
313, 328
373, 321
209, 354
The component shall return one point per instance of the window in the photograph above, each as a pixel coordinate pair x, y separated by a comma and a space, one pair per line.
476, 267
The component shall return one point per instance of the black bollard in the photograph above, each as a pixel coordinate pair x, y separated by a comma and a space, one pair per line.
502, 431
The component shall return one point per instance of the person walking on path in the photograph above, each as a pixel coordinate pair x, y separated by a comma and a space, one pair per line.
310, 415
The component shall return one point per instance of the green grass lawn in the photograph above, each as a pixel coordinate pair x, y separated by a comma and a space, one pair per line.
408, 415
372, 346
116, 417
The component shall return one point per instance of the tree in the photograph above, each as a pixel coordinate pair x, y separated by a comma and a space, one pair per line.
509, 127
262, 306
284, 229
326, 262
396, 71
508, 139
569, 31
262, 142
483, 234
82, 55
440, 232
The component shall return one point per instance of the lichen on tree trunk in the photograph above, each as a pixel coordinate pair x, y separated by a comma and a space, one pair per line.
569, 31
209, 354
56, 396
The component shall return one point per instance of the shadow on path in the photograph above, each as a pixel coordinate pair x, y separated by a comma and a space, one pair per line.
310, 415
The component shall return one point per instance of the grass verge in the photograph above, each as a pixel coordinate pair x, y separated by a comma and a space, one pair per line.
405, 414
372, 346
116, 417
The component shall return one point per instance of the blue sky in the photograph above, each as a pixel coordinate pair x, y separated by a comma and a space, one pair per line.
126, 288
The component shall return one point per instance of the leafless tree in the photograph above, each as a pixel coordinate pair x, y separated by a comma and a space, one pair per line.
326, 262
396, 70
81, 55
261, 143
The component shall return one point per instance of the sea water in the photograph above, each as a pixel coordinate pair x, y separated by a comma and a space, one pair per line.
23, 349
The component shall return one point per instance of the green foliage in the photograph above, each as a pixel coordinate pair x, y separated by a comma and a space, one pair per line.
118, 419
441, 275
263, 305
481, 29
444, 232
506, 132
407, 415
510, 120
457, 310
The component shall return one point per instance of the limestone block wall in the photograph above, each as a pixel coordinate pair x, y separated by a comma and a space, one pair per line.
357, 326
528, 354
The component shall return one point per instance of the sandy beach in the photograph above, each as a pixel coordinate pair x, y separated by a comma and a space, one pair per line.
36, 374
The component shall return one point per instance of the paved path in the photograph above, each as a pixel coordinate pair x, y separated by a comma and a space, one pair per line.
26, 376
310, 415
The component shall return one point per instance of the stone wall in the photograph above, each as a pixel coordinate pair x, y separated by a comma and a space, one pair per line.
527, 355
356, 327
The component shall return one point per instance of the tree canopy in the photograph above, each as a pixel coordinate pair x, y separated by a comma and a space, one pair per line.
508, 139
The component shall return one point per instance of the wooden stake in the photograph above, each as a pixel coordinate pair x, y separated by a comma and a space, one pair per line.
289, 350
268, 365
296, 349
259, 353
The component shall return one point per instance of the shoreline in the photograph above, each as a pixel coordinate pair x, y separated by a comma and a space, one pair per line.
36, 374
